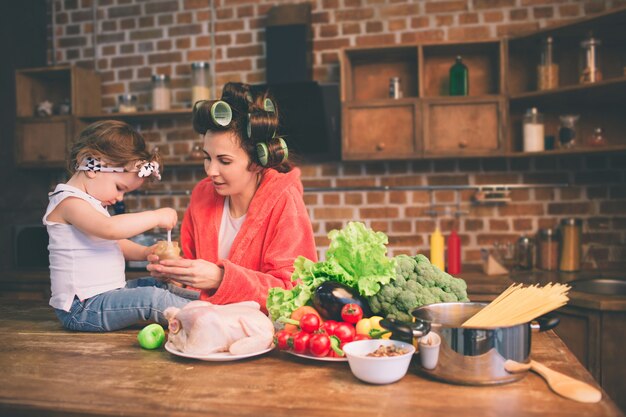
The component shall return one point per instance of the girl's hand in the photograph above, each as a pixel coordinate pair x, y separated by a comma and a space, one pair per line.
167, 218
148, 252
196, 273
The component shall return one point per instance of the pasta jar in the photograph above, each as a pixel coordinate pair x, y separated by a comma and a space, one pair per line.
547, 70
548, 249
571, 234
200, 82
161, 94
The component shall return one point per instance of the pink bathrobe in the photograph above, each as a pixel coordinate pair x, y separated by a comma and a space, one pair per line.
276, 230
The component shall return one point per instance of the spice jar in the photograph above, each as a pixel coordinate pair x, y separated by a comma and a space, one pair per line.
567, 130
571, 234
200, 82
533, 131
161, 94
395, 89
547, 70
127, 103
590, 70
548, 249
597, 138
524, 252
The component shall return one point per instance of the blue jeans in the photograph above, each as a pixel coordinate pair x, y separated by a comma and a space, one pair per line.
143, 299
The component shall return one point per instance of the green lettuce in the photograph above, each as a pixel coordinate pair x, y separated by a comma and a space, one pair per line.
356, 257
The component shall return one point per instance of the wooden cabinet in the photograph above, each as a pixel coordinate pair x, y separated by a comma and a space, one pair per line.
43, 141
596, 338
464, 127
502, 86
599, 104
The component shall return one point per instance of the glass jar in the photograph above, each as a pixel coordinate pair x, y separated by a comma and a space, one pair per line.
533, 131
127, 103
571, 244
597, 138
161, 93
567, 130
200, 82
590, 69
524, 252
459, 78
547, 70
548, 249
395, 88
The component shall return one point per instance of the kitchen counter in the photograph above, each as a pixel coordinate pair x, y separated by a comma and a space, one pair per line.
482, 287
49, 371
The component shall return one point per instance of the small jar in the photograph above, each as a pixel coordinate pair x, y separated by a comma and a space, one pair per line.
568, 130
127, 103
571, 244
548, 249
533, 131
524, 252
395, 88
590, 70
161, 93
547, 70
200, 82
597, 138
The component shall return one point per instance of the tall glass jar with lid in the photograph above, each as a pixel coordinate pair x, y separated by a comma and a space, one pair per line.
200, 81
161, 93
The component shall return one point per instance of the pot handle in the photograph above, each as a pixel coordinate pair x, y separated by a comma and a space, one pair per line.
405, 332
545, 322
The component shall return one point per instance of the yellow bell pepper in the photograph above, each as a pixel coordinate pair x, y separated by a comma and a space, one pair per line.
371, 327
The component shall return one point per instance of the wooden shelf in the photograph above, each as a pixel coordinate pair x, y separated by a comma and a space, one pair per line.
607, 91
573, 151
140, 115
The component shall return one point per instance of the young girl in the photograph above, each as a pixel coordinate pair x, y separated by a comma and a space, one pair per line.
247, 222
88, 246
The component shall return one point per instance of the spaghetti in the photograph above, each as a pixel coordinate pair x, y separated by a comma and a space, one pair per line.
518, 305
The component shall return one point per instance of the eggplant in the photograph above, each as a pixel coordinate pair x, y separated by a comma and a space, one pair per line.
330, 297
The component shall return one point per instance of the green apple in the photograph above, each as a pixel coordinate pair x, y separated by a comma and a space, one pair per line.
151, 337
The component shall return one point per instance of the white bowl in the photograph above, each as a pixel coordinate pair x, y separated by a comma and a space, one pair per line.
378, 370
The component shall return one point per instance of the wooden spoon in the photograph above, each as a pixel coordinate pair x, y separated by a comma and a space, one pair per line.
563, 385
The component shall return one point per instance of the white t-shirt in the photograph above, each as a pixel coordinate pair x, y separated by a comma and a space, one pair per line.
229, 228
80, 265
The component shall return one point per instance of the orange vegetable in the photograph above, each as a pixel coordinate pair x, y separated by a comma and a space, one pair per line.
297, 315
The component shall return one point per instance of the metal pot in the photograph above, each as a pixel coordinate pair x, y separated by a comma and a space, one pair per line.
469, 356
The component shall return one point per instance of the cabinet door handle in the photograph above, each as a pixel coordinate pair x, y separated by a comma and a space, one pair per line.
380, 146
463, 144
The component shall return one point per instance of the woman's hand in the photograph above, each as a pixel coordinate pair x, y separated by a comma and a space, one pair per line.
196, 273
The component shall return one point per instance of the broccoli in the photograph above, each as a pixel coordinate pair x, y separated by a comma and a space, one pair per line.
417, 283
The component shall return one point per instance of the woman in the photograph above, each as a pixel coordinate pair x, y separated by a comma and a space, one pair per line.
246, 222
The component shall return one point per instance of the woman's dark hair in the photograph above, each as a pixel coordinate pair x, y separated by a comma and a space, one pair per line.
251, 123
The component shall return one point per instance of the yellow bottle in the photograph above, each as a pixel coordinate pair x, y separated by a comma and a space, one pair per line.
437, 249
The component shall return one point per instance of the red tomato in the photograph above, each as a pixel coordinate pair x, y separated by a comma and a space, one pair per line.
351, 313
300, 342
310, 323
281, 339
297, 314
319, 344
329, 327
345, 332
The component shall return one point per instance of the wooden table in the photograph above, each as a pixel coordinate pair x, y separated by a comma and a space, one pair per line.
46, 370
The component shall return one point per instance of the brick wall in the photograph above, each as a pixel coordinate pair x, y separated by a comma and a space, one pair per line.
138, 38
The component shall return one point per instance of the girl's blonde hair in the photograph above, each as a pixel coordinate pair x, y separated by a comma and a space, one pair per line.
112, 141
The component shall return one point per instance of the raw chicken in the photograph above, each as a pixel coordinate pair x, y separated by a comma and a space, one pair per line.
202, 328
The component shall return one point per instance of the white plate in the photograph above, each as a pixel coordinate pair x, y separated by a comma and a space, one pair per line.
317, 358
214, 357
